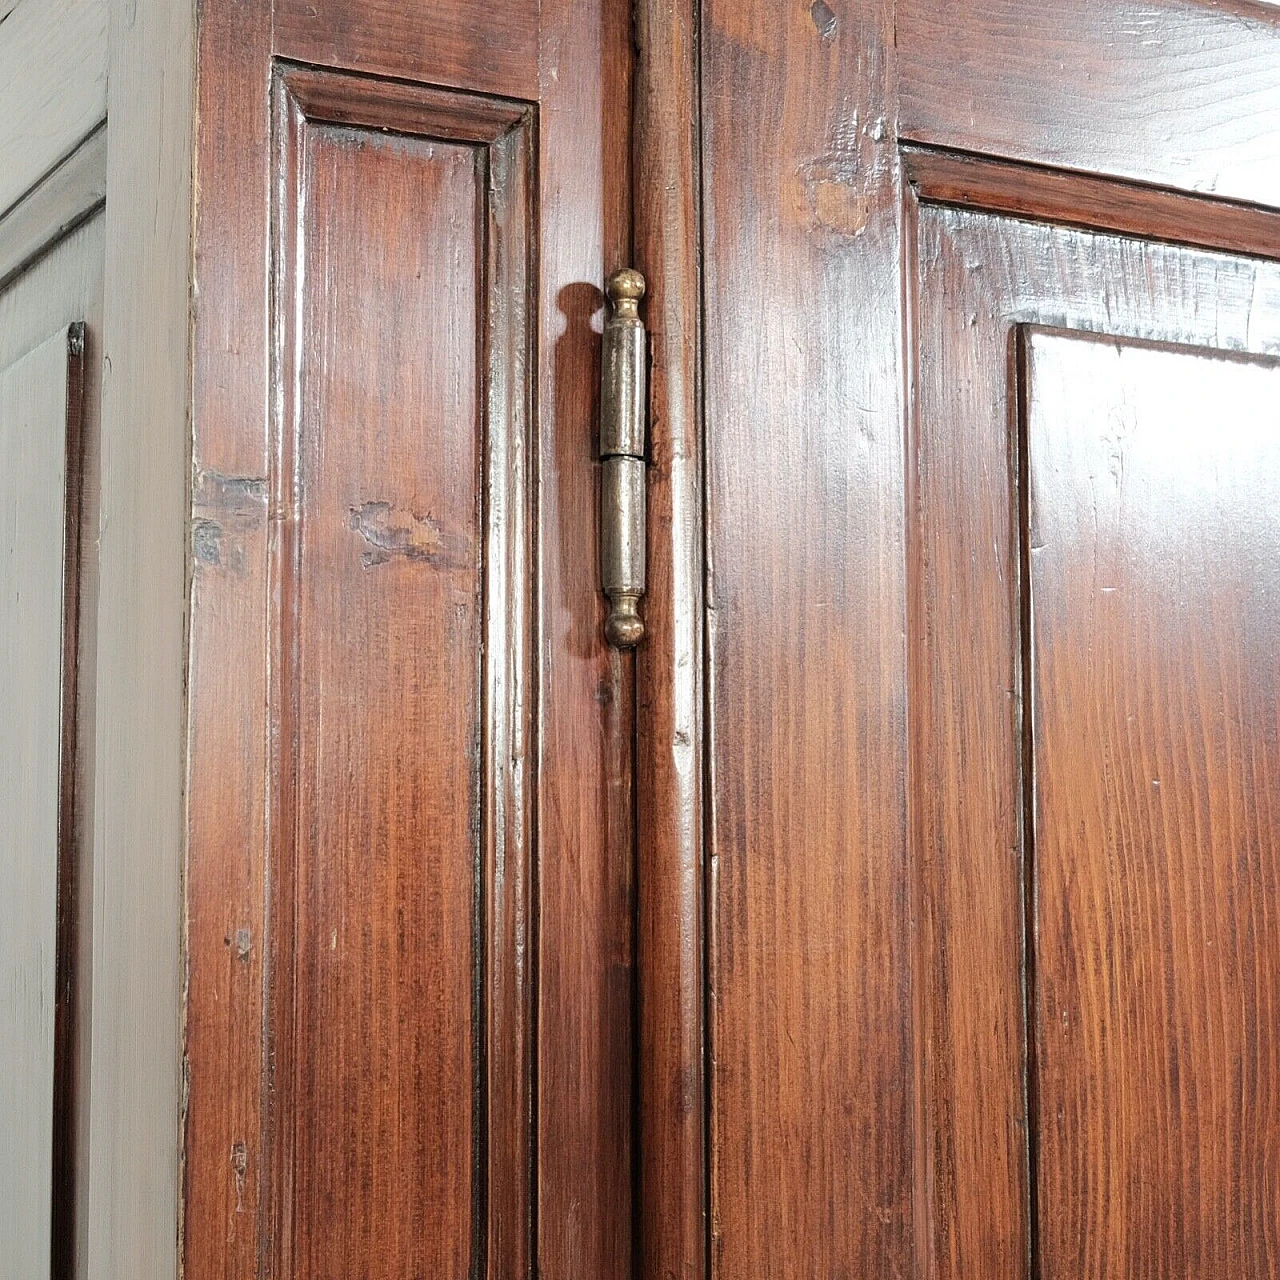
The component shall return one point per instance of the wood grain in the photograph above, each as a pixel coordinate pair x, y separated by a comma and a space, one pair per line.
1180, 94
1153, 481
809, 912
463, 43
53, 86
400, 909
572, 941
1086, 200
586, 708
670, 674
226, 1186
976, 277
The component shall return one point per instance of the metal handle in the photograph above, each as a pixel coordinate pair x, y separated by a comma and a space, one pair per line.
622, 440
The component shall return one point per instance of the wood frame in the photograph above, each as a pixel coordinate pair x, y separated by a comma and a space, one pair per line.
670, 746
580, 760
899, 132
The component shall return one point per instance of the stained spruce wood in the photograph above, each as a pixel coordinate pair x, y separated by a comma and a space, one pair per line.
988, 1110
464, 43
865, 788
809, 999
399, 1033
1155, 647
585, 691
1179, 94
559, 929
1085, 200
670, 793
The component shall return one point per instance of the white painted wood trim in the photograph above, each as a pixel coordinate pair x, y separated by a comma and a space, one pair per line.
53, 86
139, 821
55, 206
33, 475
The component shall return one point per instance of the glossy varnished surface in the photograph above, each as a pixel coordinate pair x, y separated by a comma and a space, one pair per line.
464, 43
977, 278
378, 573
808, 913
670, 742
560, 931
1180, 94
1154, 546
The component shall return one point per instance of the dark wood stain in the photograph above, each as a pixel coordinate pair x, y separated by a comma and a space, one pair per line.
1019, 1164
1177, 94
1152, 550
868, 946
468, 44
671, 740
371, 635
809, 912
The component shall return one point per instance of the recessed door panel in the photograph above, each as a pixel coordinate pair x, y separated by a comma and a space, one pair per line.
400, 826
1096, 446
1151, 551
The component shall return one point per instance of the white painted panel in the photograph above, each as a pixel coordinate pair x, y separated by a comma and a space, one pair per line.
33, 436
53, 86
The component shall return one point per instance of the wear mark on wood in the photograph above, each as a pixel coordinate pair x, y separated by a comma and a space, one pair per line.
823, 18
396, 531
224, 510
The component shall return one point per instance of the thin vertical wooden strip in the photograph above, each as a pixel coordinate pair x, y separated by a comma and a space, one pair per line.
809, 931
140, 759
671, 1077
225, 1174
69, 1101
585, 799
508, 713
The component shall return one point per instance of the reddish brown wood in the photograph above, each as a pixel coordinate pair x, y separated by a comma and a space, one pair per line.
1153, 478
225, 1193
670, 685
463, 43
586, 802
1083, 200
1180, 93
400, 904
266, 1168
865, 632
810, 997
976, 276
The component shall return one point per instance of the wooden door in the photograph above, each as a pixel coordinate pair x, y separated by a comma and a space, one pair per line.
409, 884
989, 809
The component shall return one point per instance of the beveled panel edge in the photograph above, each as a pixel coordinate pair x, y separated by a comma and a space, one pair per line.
503, 132
399, 106
72, 191
1070, 198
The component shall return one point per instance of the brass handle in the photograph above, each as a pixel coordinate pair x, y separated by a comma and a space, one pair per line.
622, 441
